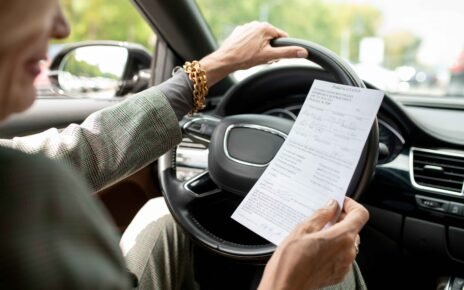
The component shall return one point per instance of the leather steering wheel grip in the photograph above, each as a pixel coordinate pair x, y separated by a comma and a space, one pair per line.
325, 58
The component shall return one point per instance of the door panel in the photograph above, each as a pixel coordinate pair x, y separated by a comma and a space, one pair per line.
48, 113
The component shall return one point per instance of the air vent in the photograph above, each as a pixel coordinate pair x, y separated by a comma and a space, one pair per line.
437, 171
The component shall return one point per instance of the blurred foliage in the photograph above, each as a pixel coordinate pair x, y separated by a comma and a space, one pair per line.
337, 26
106, 20
82, 68
401, 49
333, 24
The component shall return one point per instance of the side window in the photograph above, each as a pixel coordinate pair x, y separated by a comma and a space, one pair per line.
96, 20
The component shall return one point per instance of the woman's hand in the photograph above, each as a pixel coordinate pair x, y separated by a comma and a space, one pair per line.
312, 257
247, 46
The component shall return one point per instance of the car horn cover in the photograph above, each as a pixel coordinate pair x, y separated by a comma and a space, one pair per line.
241, 147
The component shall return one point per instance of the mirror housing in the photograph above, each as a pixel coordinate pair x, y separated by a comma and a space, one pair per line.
100, 69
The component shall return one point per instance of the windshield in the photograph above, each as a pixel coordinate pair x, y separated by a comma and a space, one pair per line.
401, 46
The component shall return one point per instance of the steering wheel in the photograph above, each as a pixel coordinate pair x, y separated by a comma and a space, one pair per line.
240, 148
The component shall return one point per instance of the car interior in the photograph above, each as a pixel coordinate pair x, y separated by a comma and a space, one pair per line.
410, 177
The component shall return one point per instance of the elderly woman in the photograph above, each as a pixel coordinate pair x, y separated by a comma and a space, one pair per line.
55, 236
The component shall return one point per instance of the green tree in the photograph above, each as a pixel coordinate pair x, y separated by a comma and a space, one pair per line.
401, 49
81, 68
106, 19
355, 22
223, 15
337, 26
311, 20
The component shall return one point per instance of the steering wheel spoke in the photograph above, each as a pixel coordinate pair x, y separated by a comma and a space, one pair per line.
202, 185
199, 128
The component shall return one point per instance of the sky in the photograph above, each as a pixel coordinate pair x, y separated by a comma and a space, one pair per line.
110, 59
439, 23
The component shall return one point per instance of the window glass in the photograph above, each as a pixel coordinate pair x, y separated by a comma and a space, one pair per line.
97, 20
402, 46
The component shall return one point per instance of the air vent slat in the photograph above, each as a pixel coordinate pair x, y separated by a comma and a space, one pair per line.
445, 180
438, 171
424, 155
457, 176
440, 164
434, 186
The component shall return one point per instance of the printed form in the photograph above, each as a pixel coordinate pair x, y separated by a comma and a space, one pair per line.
316, 161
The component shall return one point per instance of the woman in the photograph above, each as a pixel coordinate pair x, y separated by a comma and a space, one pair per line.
55, 236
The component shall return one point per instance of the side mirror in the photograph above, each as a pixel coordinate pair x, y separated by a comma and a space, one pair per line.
100, 69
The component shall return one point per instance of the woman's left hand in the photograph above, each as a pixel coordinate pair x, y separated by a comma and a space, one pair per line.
247, 46
312, 258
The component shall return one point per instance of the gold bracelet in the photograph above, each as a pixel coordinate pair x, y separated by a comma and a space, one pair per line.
200, 84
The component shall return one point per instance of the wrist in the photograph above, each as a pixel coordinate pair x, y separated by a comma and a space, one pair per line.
217, 66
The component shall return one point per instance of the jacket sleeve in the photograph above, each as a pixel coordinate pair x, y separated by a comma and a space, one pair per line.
112, 143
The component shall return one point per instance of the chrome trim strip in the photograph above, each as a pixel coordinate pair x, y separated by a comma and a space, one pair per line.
165, 161
448, 284
293, 108
428, 188
196, 119
192, 157
186, 184
281, 111
391, 129
250, 126
433, 168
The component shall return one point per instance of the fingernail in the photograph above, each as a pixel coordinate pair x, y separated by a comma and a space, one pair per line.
331, 203
303, 53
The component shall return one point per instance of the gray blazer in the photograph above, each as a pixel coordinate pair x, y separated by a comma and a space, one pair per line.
54, 234
117, 141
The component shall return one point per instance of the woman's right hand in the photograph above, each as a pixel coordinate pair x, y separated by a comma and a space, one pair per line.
248, 45
312, 257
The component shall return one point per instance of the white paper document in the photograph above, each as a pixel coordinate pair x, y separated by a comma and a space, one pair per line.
316, 161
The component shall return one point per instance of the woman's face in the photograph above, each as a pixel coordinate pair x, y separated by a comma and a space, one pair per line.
26, 27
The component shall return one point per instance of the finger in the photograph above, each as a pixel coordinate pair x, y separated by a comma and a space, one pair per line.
288, 52
281, 32
349, 202
321, 217
341, 216
357, 242
347, 205
253, 23
355, 216
350, 205
273, 31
